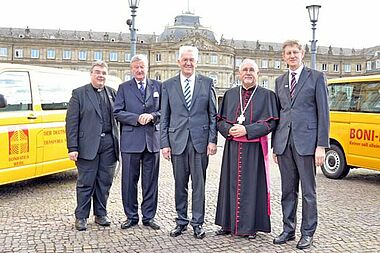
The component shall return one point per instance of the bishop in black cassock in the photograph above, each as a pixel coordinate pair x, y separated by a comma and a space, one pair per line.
243, 206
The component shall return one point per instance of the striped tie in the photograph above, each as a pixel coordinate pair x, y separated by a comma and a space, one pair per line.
293, 84
142, 89
187, 94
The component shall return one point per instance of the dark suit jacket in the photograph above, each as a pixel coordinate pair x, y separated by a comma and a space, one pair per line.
178, 123
307, 114
83, 122
129, 105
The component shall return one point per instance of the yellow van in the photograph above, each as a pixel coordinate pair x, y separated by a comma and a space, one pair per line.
355, 125
32, 120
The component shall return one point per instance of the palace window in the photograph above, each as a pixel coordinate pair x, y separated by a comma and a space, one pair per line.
50, 54
113, 56
66, 54
34, 53
82, 56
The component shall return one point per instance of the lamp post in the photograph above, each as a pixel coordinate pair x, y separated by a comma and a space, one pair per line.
133, 4
313, 15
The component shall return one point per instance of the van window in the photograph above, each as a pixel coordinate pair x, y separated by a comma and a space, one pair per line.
340, 96
15, 86
55, 88
370, 97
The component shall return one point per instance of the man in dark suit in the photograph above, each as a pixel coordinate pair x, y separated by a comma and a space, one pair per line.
93, 143
300, 140
137, 108
188, 136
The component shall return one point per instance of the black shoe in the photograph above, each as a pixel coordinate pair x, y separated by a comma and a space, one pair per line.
81, 224
222, 231
251, 237
305, 242
151, 223
199, 232
178, 230
102, 221
284, 237
128, 223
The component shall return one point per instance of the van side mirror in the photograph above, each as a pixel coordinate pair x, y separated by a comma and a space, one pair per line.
3, 101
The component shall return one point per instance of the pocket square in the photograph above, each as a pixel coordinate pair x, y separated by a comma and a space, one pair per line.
156, 95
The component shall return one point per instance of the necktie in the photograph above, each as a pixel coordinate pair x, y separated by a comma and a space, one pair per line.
142, 89
187, 94
293, 84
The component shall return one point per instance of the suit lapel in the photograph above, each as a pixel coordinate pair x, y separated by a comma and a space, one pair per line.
148, 90
178, 88
109, 95
92, 97
284, 88
135, 90
197, 88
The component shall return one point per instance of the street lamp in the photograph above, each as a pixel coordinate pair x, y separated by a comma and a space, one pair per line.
133, 4
313, 15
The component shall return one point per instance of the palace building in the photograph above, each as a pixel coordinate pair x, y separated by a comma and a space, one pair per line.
218, 58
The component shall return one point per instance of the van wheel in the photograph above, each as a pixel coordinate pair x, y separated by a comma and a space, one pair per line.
335, 166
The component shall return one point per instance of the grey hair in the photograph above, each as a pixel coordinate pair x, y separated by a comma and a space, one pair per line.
250, 61
188, 49
100, 64
140, 57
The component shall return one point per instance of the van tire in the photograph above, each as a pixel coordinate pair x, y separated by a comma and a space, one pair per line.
335, 166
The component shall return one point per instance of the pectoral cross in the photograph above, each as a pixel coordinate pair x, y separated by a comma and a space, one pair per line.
241, 119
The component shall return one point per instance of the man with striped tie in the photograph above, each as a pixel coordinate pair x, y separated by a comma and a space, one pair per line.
299, 141
188, 136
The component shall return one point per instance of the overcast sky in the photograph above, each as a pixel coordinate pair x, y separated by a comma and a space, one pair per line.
349, 24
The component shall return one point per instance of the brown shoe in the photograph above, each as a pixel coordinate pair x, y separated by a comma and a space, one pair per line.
81, 224
102, 221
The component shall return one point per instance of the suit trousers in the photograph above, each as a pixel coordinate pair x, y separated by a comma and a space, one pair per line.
149, 164
194, 164
95, 179
295, 168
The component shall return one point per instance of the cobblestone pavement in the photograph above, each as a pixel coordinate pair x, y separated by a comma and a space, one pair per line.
37, 216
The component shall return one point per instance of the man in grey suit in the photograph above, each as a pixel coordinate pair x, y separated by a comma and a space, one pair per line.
188, 136
299, 141
93, 143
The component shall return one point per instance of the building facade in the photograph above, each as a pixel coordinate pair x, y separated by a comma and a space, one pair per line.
218, 59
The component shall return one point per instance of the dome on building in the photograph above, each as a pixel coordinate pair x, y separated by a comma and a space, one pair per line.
186, 25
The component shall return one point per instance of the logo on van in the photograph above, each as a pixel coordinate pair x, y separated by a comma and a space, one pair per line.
18, 141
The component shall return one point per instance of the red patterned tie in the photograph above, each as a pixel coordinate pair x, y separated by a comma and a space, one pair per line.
293, 84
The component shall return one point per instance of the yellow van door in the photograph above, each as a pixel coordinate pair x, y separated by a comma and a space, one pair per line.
364, 132
364, 142
20, 125
54, 91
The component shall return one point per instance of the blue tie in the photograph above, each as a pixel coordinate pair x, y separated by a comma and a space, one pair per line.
187, 94
141, 88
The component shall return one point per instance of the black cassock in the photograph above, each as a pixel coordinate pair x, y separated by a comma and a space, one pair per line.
243, 199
